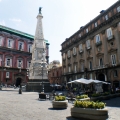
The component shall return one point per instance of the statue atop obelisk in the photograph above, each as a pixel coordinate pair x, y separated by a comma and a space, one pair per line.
38, 72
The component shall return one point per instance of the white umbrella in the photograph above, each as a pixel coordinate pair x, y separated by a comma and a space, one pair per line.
98, 81
83, 81
55, 85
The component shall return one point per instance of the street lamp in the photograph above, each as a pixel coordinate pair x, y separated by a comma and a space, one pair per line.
42, 66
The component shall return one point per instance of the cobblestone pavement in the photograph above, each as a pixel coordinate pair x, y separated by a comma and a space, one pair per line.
26, 106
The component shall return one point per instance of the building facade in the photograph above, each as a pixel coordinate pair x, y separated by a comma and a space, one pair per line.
55, 73
15, 55
93, 52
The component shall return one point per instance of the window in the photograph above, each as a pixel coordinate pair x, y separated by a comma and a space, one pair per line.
115, 73
87, 30
96, 24
29, 48
8, 62
106, 17
90, 65
109, 32
63, 55
90, 75
28, 64
69, 69
88, 44
10, 43
82, 76
113, 59
75, 68
118, 9
76, 77
64, 70
0, 60
20, 46
68, 53
74, 51
97, 38
7, 74
100, 62
79, 35
82, 66
20, 64
1, 40
80, 47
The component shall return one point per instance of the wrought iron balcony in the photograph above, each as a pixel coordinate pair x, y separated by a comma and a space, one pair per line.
99, 43
110, 37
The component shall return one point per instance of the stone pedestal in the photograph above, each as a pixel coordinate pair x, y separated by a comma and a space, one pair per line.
36, 86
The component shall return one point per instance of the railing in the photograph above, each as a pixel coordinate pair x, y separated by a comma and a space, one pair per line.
99, 43
110, 37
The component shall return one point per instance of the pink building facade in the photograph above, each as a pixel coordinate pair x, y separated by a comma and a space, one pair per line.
15, 55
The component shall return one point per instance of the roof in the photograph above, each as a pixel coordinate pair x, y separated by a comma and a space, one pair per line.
17, 32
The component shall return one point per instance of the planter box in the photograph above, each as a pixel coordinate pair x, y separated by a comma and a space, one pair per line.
85, 99
60, 104
96, 98
107, 97
89, 114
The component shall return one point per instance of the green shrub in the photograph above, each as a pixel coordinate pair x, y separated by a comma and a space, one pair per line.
60, 98
81, 96
89, 104
106, 93
96, 95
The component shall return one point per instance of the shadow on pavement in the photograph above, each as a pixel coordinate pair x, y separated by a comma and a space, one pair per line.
56, 109
115, 102
71, 118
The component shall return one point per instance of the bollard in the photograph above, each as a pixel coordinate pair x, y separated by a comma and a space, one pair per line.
20, 91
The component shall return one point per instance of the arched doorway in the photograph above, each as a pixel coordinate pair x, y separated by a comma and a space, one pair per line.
101, 77
18, 81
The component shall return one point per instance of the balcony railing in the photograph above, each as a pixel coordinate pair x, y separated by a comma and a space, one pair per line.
110, 37
99, 43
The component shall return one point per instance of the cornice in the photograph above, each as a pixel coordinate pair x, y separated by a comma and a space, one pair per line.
99, 54
112, 50
91, 32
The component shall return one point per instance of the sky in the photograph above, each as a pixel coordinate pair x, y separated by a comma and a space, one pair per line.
61, 18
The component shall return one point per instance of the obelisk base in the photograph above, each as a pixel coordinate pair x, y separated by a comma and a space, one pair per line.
37, 86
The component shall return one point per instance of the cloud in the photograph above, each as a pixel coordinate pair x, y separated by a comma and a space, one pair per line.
15, 20
2, 22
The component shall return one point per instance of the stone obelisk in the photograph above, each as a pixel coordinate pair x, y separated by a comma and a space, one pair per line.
38, 73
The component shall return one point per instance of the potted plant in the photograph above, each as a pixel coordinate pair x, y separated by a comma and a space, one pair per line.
83, 97
60, 102
89, 110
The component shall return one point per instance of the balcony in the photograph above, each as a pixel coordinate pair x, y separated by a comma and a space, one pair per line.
81, 51
88, 48
110, 37
100, 67
98, 43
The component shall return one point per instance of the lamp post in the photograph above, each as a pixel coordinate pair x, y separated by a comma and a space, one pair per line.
20, 89
42, 66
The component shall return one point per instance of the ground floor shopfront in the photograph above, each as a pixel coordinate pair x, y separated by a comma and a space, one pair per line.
13, 76
110, 75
